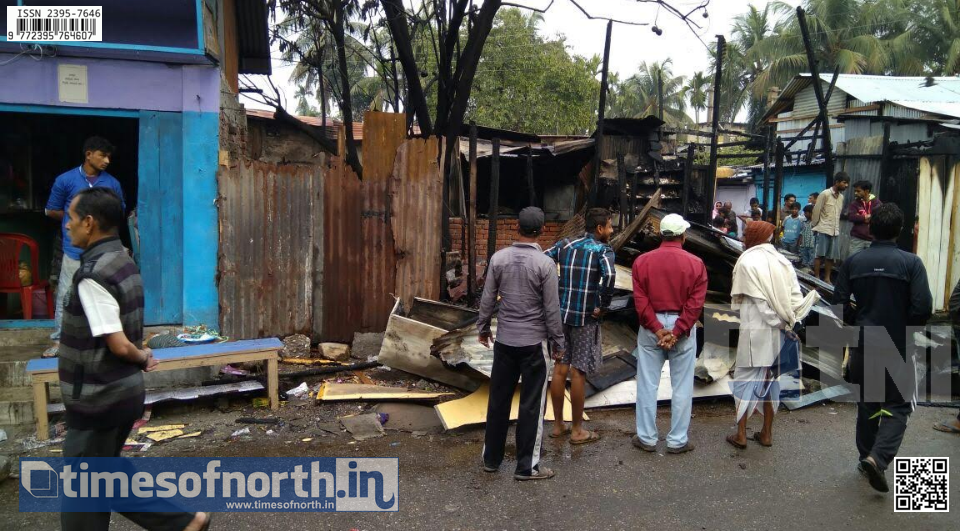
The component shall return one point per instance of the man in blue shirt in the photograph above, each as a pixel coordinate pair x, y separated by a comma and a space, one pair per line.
587, 276
92, 173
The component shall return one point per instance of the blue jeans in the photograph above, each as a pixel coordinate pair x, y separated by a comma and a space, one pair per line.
68, 269
650, 358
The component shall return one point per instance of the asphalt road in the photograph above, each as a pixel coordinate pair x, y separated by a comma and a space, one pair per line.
806, 481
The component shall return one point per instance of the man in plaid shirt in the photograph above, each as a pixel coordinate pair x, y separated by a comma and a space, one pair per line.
587, 277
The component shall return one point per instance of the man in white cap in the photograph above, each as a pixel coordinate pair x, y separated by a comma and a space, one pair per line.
669, 289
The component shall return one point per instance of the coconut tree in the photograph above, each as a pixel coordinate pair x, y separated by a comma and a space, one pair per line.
937, 24
858, 36
697, 88
637, 96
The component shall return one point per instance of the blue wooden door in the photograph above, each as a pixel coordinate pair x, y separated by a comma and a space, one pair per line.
160, 216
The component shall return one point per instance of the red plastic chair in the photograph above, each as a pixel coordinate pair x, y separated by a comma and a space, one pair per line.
10, 247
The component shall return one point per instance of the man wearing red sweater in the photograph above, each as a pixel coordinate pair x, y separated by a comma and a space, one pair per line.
669, 289
859, 213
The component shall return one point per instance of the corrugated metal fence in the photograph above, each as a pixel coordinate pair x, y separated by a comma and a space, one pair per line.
313, 249
270, 257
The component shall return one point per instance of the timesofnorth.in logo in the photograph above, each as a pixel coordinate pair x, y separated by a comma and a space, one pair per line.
165, 484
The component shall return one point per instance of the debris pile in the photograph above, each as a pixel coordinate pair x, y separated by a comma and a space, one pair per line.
439, 342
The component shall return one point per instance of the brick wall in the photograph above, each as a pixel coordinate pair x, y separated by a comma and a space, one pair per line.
506, 234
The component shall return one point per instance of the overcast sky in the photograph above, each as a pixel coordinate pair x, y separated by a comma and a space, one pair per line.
630, 44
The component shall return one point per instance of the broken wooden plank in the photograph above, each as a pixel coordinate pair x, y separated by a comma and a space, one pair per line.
472, 409
634, 227
330, 391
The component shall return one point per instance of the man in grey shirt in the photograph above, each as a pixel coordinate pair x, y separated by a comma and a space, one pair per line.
526, 281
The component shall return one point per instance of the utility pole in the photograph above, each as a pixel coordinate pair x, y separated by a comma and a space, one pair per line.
598, 154
710, 190
818, 91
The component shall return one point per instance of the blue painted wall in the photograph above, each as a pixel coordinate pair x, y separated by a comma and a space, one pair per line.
800, 182
179, 236
201, 234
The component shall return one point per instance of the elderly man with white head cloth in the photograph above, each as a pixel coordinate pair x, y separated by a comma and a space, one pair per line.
767, 294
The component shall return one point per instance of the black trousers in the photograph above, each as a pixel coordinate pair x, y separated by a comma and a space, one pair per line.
109, 443
509, 364
879, 435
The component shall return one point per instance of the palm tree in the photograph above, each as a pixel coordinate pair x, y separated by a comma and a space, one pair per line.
697, 88
938, 34
858, 36
637, 96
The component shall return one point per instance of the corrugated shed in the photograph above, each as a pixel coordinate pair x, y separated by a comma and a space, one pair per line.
269, 228
383, 134
938, 95
417, 194
899, 132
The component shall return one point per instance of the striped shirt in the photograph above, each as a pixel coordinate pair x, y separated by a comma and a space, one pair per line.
587, 276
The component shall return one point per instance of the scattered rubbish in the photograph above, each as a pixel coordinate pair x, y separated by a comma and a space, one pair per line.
271, 432
193, 393
336, 391
251, 420
167, 427
395, 444
239, 433
308, 439
714, 363
134, 446
303, 361
5, 468
190, 435
410, 417
295, 346
261, 402
335, 351
233, 371
472, 409
3, 435
819, 396
363, 427
329, 370
299, 391
383, 418
158, 436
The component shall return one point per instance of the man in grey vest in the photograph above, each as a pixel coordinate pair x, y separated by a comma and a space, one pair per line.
102, 358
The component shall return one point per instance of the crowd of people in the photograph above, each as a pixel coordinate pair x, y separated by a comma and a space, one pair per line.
811, 233
535, 304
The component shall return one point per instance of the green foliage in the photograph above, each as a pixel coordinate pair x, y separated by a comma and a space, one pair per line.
529, 82
637, 96
880, 37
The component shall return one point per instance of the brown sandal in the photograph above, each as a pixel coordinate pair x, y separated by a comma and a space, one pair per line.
591, 438
732, 439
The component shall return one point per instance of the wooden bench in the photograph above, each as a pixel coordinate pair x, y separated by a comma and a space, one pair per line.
44, 371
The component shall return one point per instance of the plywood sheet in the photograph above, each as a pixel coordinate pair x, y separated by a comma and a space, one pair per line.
472, 409
334, 391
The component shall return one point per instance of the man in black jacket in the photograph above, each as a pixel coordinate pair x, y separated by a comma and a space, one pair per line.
891, 293
953, 426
